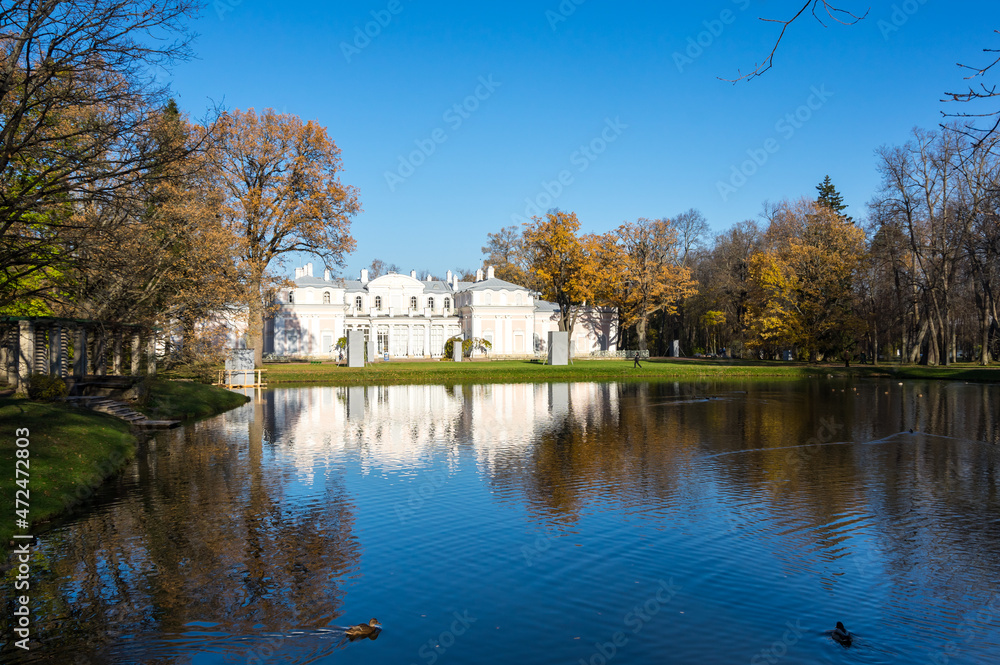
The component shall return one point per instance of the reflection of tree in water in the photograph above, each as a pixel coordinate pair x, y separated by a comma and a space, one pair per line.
929, 503
197, 534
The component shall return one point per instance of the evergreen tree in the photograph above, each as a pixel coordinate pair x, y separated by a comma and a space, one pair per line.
830, 198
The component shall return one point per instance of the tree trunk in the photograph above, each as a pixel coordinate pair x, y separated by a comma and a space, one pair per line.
640, 332
255, 325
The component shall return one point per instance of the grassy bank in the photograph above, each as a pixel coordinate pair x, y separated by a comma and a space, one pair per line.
72, 451
187, 400
523, 371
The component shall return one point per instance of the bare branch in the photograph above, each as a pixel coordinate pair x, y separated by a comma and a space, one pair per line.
842, 16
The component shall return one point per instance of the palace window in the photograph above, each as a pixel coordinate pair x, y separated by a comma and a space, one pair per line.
378, 303
357, 303
413, 303
447, 304
489, 298
326, 298
291, 297
430, 303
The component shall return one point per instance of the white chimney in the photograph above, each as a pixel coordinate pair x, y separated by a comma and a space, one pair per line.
413, 274
479, 275
429, 278
489, 272
454, 283
309, 269
326, 275
298, 273
364, 275
448, 278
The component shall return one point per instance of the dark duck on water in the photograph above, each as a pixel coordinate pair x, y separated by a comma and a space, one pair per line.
368, 630
841, 635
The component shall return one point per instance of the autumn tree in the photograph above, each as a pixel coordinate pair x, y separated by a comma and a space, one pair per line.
802, 292
640, 273
505, 251
282, 193
78, 102
561, 262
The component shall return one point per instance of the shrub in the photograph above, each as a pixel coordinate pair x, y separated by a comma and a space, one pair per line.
43, 387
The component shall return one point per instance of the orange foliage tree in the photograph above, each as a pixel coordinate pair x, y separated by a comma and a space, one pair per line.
562, 262
640, 273
282, 194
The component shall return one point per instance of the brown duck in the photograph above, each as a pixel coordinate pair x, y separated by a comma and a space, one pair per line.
368, 630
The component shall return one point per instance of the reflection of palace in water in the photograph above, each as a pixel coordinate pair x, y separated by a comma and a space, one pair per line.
400, 426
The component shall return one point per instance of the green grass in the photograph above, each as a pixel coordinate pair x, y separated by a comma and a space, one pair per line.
523, 371
71, 452
186, 400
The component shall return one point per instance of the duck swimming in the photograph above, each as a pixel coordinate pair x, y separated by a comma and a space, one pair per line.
841, 635
363, 630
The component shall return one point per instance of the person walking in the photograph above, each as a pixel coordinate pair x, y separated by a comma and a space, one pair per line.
636, 363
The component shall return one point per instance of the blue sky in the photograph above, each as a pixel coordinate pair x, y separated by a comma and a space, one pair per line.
613, 111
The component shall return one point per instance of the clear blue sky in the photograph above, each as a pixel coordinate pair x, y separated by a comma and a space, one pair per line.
662, 135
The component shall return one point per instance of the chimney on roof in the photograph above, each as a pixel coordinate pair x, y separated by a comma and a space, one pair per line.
489, 272
364, 275
479, 275
429, 278
309, 269
326, 275
413, 274
298, 273
448, 278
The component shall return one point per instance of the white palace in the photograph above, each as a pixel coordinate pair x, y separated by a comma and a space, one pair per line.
411, 318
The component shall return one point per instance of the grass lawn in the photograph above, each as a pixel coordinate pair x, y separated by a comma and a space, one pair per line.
524, 371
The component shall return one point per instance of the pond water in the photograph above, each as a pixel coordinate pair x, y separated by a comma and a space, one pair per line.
730, 522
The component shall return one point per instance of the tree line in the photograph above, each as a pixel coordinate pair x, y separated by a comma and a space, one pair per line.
116, 207
915, 281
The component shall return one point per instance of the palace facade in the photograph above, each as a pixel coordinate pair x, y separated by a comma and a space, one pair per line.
412, 318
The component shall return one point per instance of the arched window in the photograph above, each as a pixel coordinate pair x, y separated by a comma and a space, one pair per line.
447, 303
291, 297
413, 302
378, 303
489, 298
326, 298
430, 303
357, 303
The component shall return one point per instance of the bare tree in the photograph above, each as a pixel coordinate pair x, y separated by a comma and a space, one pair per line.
79, 100
379, 267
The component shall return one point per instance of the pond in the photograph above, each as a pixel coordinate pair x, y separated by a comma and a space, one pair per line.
732, 522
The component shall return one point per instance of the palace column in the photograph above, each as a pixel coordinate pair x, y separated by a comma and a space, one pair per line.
136, 351
25, 360
80, 353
